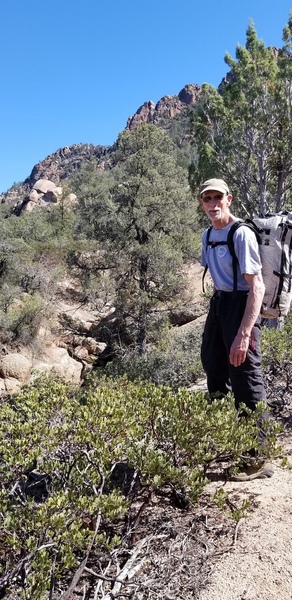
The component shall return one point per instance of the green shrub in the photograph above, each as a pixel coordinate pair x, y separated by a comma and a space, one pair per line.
277, 361
60, 446
174, 360
21, 320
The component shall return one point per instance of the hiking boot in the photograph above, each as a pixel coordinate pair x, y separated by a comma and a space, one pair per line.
250, 472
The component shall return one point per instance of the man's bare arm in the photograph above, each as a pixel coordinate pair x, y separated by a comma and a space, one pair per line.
255, 296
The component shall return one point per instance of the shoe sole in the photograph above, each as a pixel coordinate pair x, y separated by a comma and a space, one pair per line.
263, 473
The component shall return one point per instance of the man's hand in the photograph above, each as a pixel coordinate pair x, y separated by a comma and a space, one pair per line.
241, 341
238, 350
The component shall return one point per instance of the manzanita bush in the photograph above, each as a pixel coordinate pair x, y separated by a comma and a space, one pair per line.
60, 446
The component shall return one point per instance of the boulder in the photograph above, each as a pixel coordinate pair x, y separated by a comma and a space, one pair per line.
185, 314
34, 196
43, 192
16, 366
58, 361
9, 386
50, 196
94, 347
44, 186
80, 352
70, 200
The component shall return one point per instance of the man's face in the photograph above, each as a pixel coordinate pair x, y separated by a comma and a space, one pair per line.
216, 206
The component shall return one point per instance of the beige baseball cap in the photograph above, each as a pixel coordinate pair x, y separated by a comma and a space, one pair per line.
218, 185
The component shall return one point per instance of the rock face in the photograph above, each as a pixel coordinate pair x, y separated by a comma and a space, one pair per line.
190, 94
144, 114
55, 169
43, 194
62, 164
63, 346
57, 360
65, 162
168, 107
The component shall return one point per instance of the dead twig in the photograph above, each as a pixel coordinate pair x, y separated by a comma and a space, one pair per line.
236, 531
128, 571
66, 595
4, 581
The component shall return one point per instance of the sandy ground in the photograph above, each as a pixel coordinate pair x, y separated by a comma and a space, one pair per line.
260, 565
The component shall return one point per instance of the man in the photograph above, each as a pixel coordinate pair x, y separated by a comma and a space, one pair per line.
231, 352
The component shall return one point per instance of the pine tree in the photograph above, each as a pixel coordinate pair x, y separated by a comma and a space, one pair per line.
146, 224
243, 130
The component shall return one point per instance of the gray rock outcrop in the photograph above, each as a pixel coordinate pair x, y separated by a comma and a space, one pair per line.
43, 194
167, 107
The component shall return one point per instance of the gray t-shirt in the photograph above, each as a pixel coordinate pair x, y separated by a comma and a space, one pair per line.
219, 259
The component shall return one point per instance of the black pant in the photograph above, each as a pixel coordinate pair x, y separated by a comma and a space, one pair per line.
222, 324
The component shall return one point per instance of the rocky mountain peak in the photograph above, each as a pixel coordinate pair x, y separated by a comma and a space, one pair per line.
66, 161
166, 107
55, 168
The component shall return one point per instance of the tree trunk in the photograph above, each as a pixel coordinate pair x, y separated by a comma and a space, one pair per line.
142, 333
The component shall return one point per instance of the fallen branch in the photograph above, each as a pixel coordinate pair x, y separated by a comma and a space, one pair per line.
127, 571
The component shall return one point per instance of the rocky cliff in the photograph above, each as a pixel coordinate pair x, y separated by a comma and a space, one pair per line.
56, 168
63, 163
168, 107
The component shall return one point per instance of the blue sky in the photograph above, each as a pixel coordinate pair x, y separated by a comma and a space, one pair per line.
73, 71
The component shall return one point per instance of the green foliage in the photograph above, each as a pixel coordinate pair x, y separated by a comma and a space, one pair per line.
21, 319
96, 211
277, 361
33, 249
142, 218
40, 225
242, 131
174, 360
69, 441
236, 513
155, 216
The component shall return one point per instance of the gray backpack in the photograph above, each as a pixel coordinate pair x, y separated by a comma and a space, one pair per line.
274, 235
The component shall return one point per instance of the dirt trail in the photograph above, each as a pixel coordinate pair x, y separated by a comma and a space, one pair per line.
260, 565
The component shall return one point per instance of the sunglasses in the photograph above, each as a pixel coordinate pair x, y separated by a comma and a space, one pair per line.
216, 197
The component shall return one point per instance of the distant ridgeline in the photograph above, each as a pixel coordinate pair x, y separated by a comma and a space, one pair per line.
170, 113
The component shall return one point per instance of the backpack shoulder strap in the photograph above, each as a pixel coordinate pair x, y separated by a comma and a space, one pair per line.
230, 243
206, 267
208, 234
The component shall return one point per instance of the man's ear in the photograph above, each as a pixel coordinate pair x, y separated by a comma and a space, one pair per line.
229, 199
